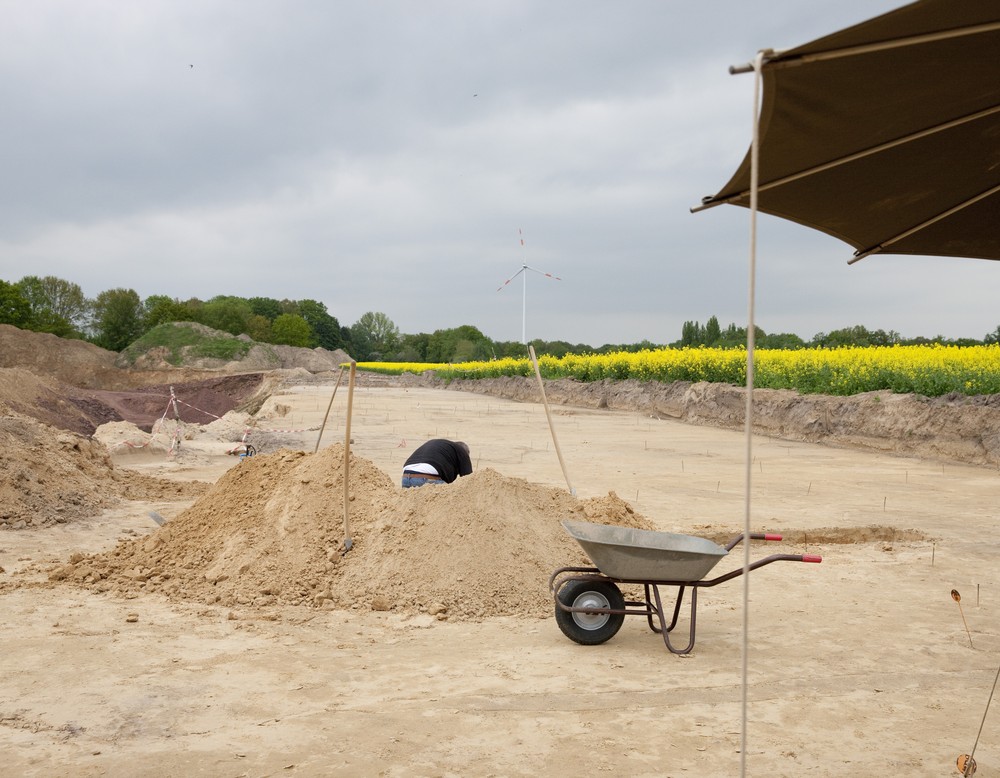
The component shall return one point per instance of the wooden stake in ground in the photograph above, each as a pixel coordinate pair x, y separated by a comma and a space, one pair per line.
552, 429
958, 598
328, 407
347, 459
966, 762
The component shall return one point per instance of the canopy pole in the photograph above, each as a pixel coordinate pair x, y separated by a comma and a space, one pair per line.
347, 459
748, 412
552, 429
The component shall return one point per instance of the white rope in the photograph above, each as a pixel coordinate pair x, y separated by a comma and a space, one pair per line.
748, 413
968, 767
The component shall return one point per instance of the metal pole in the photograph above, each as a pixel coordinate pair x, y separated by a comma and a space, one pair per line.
524, 303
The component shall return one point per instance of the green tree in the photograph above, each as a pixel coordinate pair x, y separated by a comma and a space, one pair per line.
552, 348
443, 345
14, 309
118, 318
413, 348
325, 328
712, 331
781, 340
361, 344
160, 309
377, 332
267, 307
692, 334
290, 329
226, 313
514, 349
259, 328
57, 306
857, 335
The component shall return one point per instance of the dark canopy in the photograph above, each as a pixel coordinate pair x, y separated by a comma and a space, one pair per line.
887, 134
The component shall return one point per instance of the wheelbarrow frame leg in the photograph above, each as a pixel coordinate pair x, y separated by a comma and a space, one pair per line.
665, 629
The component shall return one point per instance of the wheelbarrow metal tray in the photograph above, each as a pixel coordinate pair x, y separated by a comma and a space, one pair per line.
643, 555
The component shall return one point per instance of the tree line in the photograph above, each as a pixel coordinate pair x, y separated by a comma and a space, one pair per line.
116, 318
712, 335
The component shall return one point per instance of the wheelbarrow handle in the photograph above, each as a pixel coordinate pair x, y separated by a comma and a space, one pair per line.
753, 536
789, 558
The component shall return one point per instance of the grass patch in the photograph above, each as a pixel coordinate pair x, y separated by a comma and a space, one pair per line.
184, 342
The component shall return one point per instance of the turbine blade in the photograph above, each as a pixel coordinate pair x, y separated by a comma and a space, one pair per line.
511, 278
543, 273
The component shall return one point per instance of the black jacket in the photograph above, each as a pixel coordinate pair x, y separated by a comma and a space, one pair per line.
449, 459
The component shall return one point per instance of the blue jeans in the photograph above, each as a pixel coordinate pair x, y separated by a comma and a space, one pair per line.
409, 481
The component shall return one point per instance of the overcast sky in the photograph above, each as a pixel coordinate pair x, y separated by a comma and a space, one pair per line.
389, 156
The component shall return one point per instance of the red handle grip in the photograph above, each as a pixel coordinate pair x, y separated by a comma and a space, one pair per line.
770, 536
812, 558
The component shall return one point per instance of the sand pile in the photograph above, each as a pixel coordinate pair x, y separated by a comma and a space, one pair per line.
48, 477
271, 532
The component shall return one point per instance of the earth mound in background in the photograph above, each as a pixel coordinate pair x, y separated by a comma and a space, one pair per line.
73, 362
257, 356
50, 477
81, 364
271, 531
76, 386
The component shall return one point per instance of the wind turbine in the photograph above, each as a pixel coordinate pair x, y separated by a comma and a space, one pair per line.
524, 288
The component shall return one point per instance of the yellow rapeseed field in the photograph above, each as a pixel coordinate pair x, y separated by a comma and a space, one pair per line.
931, 370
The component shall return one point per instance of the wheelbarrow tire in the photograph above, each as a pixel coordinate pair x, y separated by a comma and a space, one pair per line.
590, 629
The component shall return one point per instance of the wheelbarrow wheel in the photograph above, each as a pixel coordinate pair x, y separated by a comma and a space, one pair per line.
590, 629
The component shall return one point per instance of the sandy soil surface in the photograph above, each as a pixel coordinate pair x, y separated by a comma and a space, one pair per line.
238, 640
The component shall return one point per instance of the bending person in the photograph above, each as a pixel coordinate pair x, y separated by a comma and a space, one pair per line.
437, 461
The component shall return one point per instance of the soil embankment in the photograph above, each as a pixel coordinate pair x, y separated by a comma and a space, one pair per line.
76, 386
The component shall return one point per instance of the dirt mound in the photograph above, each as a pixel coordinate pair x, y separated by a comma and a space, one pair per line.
76, 386
73, 362
49, 477
271, 532
258, 357
49, 401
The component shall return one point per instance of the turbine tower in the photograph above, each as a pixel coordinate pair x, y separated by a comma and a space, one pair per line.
524, 288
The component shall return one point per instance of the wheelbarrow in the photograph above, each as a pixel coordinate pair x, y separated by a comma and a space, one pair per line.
590, 607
